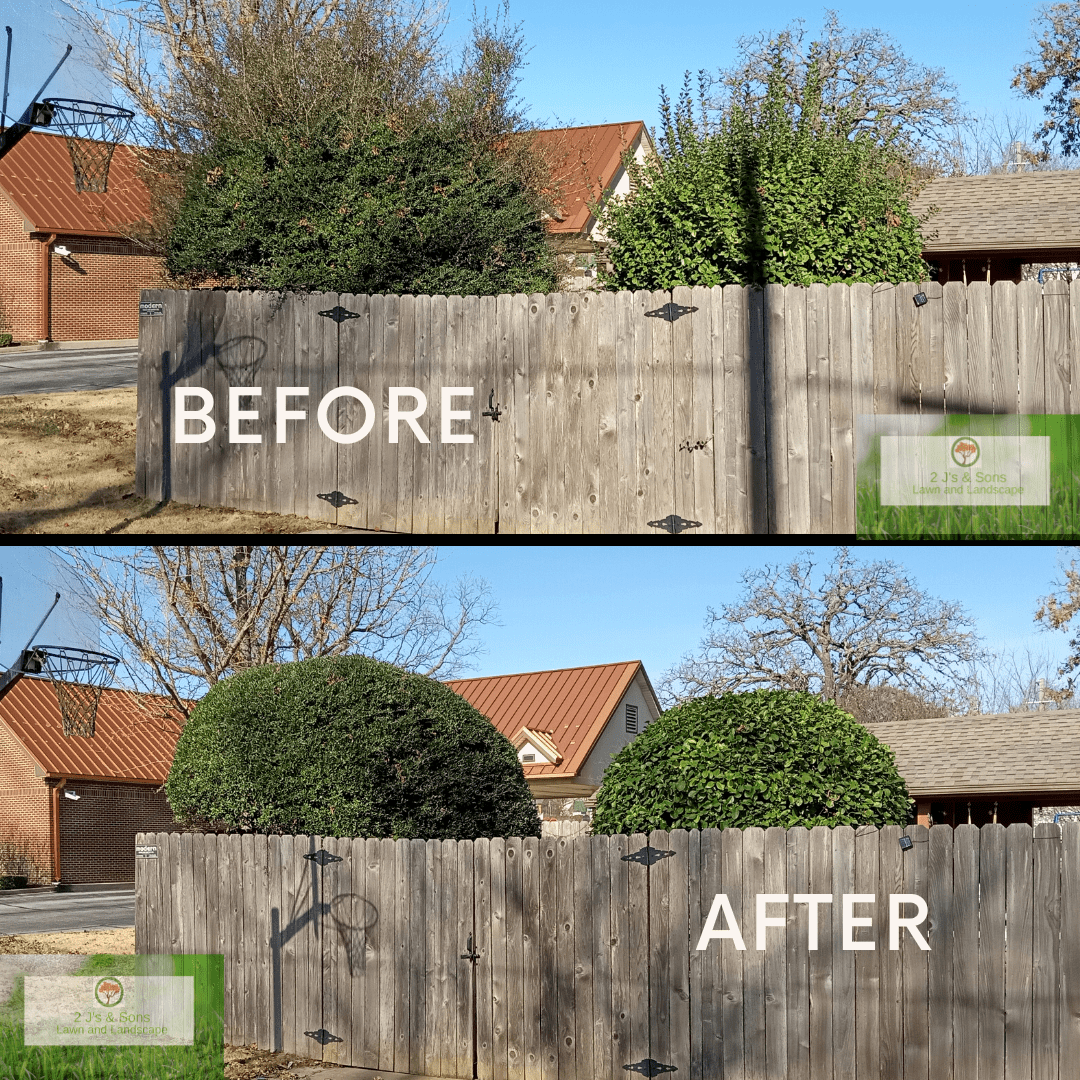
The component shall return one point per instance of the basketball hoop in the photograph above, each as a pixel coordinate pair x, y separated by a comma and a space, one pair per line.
78, 676
91, 129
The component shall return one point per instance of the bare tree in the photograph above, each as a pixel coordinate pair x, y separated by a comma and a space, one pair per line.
181, 618
857, 625
877, 704
1057, 611
992, 143
1017, 680
868, 84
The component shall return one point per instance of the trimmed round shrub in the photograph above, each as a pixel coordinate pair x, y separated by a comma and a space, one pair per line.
766, 757
346, 746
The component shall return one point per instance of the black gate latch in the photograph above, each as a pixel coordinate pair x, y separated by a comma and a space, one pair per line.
492, 410
322, 857
472, 954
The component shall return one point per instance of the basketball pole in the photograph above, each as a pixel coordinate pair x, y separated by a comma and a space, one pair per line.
35, 114
16, 668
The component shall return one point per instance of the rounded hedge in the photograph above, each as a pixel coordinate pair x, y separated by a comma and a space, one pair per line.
346, 746
761, 758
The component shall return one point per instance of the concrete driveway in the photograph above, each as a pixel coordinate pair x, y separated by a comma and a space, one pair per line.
34, 911
52, 370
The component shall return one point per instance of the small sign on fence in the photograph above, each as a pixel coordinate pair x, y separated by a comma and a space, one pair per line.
151, 308
146, 852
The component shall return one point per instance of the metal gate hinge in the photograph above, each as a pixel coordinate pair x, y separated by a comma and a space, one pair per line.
650, 1067
647, 856
322, 857
322, 1036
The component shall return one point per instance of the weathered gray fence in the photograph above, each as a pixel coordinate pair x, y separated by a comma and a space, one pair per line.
576, 958
724, 410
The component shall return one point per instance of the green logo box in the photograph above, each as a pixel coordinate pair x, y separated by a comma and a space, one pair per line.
203, 1060
968, 476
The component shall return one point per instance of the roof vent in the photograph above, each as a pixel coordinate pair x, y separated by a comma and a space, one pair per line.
631, 719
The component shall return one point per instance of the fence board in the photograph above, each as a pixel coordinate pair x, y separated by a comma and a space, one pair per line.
992, 885
890, 970
914, 961
867, 962
753, 868
734, 421
940, 933
607, 445
566, 916
733, 974
482, 938
584, 949
621, 1046
1018, 968
697, 910
776, 407
660, 958
798, 957
820, 866
249, 943
843, 960
499, 1054
1070, 944
515, 1039
817, 406
966, 856
841, 430
1045, 939
637, 894
530, 956
775, 997
549, 960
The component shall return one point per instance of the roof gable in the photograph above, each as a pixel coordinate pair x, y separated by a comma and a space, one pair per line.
130, 743
37, 177
570, 707
584, 162
1019, 211
1014, 752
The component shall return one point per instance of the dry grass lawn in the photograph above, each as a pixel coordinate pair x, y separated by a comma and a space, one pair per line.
67, 465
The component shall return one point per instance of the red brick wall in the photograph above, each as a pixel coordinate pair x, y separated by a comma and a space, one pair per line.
18, 273
24, 810
95, 291
97, 833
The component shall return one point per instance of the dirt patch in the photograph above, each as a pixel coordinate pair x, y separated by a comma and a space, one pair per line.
85, 942
67, 465
248, 1063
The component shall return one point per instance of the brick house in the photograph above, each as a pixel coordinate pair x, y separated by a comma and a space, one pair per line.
91, 294
988, 228
1011, 768
115, 775
566, 725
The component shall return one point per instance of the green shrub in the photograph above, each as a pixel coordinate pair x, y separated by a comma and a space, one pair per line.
767, 757
346, 746
381, 211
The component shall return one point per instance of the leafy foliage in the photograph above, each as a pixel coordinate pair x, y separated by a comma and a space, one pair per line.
422, 211
346, 746
781, 194
1056, 61
762, 758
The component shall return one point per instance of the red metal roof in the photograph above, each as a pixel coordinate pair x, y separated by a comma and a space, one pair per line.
37, 176
130, 742
583, 162
571, 705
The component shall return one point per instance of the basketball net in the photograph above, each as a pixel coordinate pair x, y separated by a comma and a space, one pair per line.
90, 163
77, 676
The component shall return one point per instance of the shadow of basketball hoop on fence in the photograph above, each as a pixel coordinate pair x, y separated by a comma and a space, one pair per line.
238, 359
348, 916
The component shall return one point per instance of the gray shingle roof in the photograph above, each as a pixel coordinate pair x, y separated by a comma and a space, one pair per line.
968, 755
1006, 210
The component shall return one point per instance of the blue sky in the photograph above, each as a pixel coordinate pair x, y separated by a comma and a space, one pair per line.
590, 64
562, 606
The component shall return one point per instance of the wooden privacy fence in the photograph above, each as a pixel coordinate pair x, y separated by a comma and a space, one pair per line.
723, 410
577, 959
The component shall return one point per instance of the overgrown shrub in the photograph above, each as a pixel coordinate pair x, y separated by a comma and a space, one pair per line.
379, 211
346, 746
762, 758
783, 195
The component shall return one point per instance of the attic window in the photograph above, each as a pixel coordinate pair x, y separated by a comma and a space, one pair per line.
631, 719
528, 757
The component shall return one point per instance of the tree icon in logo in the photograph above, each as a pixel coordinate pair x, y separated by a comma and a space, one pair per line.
108, 991
965, 451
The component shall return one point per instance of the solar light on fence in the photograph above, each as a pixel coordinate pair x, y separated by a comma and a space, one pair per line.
920, 299
906, 843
